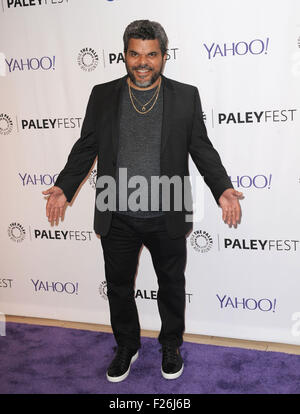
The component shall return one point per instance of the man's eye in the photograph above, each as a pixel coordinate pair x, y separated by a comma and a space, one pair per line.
133, 53
152, 54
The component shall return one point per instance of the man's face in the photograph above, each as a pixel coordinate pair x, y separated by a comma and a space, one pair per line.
144, 62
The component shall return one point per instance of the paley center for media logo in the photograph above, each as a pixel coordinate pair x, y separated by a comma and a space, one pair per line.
247, 118
34, 124
51, 123
17, 233
202, 242
88, 58
144, 294
257, 117
6, 124
263, 245
6, 283
24, 4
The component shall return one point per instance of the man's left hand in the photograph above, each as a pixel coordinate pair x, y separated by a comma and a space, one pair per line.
231, 209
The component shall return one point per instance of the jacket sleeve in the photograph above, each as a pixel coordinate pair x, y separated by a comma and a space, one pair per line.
205, 156
82, 155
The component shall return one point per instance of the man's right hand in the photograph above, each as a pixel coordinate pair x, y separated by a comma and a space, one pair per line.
56, 203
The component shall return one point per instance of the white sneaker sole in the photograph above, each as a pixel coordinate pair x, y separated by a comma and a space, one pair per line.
172, 376
124, 376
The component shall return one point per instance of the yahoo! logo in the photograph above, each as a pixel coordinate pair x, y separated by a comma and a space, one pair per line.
257, 181
70, 288
254, 47
35, 63
37, 179
264, 305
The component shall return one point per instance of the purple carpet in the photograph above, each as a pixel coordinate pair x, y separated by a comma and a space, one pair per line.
42, 360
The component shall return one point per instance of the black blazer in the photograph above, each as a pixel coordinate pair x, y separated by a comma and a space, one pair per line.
183, 133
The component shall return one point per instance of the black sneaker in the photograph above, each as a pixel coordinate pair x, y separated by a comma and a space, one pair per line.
120, 366
172, 364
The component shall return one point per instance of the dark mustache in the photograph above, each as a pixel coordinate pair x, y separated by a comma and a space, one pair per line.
141, 67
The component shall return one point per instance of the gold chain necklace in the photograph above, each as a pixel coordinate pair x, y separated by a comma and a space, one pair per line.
141, 104
144, 111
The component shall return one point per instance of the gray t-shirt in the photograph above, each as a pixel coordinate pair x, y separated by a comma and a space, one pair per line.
139, 153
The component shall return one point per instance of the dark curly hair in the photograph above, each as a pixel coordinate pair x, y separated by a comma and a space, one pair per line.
146, 30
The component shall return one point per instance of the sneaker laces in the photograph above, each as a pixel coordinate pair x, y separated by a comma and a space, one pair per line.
122, 355
170, 354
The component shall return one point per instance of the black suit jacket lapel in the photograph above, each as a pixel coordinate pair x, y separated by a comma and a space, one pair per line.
116, 113
168, 103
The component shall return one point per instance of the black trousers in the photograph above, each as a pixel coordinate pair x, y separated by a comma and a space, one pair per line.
121, 248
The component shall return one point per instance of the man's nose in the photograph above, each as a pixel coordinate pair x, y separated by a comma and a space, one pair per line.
143, 60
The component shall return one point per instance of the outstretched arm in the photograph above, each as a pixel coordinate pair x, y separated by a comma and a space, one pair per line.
79, 162
209, 164
82, 155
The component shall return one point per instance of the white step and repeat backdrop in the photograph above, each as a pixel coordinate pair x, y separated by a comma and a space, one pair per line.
245, 59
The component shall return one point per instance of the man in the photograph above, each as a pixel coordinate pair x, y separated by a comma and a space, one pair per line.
146, 125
